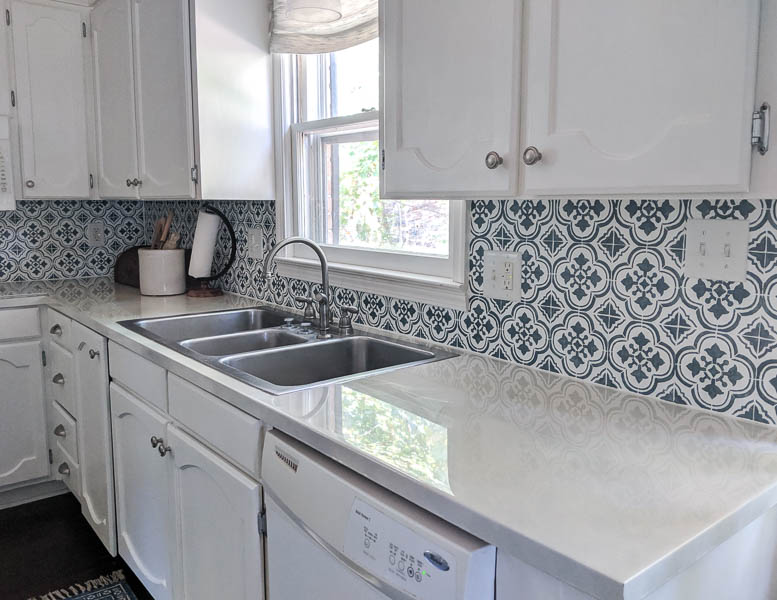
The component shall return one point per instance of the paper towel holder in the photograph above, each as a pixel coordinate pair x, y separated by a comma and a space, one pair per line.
205, 290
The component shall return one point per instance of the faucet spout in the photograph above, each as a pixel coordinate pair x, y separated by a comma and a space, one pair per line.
323, 297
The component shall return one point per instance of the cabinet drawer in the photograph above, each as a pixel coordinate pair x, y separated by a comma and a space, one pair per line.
18, 323
61, 383
231, 431
65, 467
63, 427
58, 329
138, 375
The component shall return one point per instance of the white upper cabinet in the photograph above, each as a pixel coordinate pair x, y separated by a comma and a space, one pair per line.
117, 150
49, 56
164, 98
639, 97
450, 98
234, 93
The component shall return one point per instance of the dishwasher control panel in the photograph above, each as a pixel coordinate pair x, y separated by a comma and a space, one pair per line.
398, 555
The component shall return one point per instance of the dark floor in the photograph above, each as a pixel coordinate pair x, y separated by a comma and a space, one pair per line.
47, 545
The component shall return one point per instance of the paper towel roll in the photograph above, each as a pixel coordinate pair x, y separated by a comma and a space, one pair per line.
204, 244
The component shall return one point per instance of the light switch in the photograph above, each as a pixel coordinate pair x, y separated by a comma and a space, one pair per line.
95, 234
255, 243
502, 275
717, 249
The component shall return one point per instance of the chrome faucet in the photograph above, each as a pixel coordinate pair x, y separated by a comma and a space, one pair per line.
321, 297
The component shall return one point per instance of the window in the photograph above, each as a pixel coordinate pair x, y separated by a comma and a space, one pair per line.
333, 194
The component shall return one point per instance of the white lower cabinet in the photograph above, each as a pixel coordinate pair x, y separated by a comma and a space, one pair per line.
143, 508
23, 447
188, 519
95, 450
217, 507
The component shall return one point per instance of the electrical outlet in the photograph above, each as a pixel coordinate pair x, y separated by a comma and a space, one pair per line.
717, 249
95, 234
502, 276
255, 243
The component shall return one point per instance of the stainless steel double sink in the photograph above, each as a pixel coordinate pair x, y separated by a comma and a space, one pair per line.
269, 349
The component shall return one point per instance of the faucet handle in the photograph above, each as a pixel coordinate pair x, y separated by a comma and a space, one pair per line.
310, 310
345, 324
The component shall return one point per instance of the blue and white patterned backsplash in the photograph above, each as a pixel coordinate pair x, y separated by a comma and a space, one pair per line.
604, 294
46, 239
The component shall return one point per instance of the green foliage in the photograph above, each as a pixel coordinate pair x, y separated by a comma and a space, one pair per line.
403, 439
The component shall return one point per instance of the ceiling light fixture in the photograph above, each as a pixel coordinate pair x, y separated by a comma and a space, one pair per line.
314, 11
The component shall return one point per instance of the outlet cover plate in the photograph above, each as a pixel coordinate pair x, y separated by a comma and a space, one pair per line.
95, 234
255, 243
502, 275
717, 249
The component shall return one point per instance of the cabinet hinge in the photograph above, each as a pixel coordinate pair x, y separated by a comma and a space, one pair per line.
51, 457
195, 174
13, 98
83, 29
7, 17
261, 522
91, 181
760, 132
382, 160
43, 357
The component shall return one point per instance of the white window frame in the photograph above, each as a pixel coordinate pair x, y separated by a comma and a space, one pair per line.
439, 281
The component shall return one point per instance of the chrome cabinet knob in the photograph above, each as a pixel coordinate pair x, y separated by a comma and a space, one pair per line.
56, 330
493, 160
129, 182
163, 450
59, 379
531, 156
64, 469
155, 441
59, 431
136, 182
93, 354
29, 183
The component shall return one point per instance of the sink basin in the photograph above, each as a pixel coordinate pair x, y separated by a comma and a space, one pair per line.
249, 345
240, 343
314, 363
186, 327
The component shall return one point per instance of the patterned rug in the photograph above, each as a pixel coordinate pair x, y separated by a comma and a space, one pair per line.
106, 587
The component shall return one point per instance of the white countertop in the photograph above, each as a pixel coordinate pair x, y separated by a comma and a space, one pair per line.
614, 493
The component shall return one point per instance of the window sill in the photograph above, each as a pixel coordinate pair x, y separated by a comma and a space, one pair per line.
437, 291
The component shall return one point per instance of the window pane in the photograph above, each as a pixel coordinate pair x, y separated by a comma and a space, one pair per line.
355, 79
357, 216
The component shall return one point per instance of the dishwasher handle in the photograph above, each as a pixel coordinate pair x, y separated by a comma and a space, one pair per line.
362, 573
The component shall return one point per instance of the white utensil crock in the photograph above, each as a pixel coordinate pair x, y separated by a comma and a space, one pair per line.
162, 272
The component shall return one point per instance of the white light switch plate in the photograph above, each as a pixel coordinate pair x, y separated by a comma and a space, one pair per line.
95, 234
502, 276
255, 243
717, 249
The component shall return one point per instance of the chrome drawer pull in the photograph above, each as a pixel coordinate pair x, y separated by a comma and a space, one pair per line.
59, 378
64, 469
59, 431
56, 330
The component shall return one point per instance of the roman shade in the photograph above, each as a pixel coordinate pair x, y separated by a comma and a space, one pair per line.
358, 23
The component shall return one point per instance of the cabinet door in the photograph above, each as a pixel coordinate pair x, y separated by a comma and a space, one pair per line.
49, 55
95, 449
450, 97
23, 447
164, 98
117, 150
143, 506
217, 510
633, 97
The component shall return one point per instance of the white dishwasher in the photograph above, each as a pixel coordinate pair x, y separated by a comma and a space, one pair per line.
333, 535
